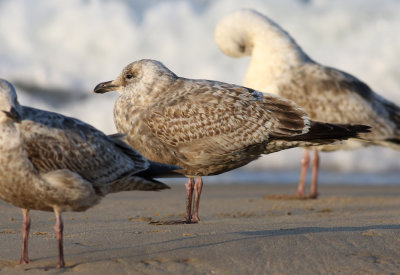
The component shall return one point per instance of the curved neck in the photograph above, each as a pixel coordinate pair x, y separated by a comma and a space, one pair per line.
274, 52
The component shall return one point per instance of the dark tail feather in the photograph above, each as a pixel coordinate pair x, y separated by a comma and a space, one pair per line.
395, 141
159, 170
134, 182
394, 112
325, 133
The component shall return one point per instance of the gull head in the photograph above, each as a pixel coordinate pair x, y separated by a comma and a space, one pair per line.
9, 106
138, 77
234, 33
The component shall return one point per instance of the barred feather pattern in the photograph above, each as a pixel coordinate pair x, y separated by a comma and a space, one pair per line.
279, 65
207, 127
49, 160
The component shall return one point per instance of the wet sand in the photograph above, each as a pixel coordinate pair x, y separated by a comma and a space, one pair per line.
348, 230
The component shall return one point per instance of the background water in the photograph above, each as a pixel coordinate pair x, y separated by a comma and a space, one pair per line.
56, 51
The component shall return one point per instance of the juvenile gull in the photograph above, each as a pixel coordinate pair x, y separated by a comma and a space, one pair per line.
51, 162
280, 66
208, 127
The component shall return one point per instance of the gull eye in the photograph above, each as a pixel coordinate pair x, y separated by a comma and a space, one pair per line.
129, 76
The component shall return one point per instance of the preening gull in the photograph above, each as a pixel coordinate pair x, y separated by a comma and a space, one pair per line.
208, 127
278, 65
51, 162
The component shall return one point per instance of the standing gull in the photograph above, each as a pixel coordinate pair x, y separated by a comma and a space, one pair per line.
280, 66
208, 127
51, 162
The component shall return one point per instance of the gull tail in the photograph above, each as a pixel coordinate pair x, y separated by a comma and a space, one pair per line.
134, 182
160, 170
394, 116
320, 133
144, 180
325, 133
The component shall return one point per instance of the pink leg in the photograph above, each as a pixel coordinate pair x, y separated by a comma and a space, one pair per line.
303, 174
314, 182
59, 230
197, 188
189, 189
26, 225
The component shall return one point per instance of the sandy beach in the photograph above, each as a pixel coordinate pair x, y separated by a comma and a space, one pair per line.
348, 230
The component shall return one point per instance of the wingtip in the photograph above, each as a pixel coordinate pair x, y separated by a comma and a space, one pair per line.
365, 129
159, 170
163, 186
155, 185
360, 129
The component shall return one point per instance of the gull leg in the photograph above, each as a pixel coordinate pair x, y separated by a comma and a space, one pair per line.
314, 181
59, 227
188, 218
189, 189
197, 188
26, 225
303, 174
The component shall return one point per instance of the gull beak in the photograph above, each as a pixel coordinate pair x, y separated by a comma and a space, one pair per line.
13, 115
105, 87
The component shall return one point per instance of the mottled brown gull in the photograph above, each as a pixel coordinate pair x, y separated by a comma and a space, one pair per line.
278, 65
207, 127
51, 162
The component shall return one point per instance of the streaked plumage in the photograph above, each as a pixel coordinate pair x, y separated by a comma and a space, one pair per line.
280, 66
207, 127
51, 162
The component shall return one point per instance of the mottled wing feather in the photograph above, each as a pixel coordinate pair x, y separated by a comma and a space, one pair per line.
140, 162
54, 141
333, 96
213, 119
118, 140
